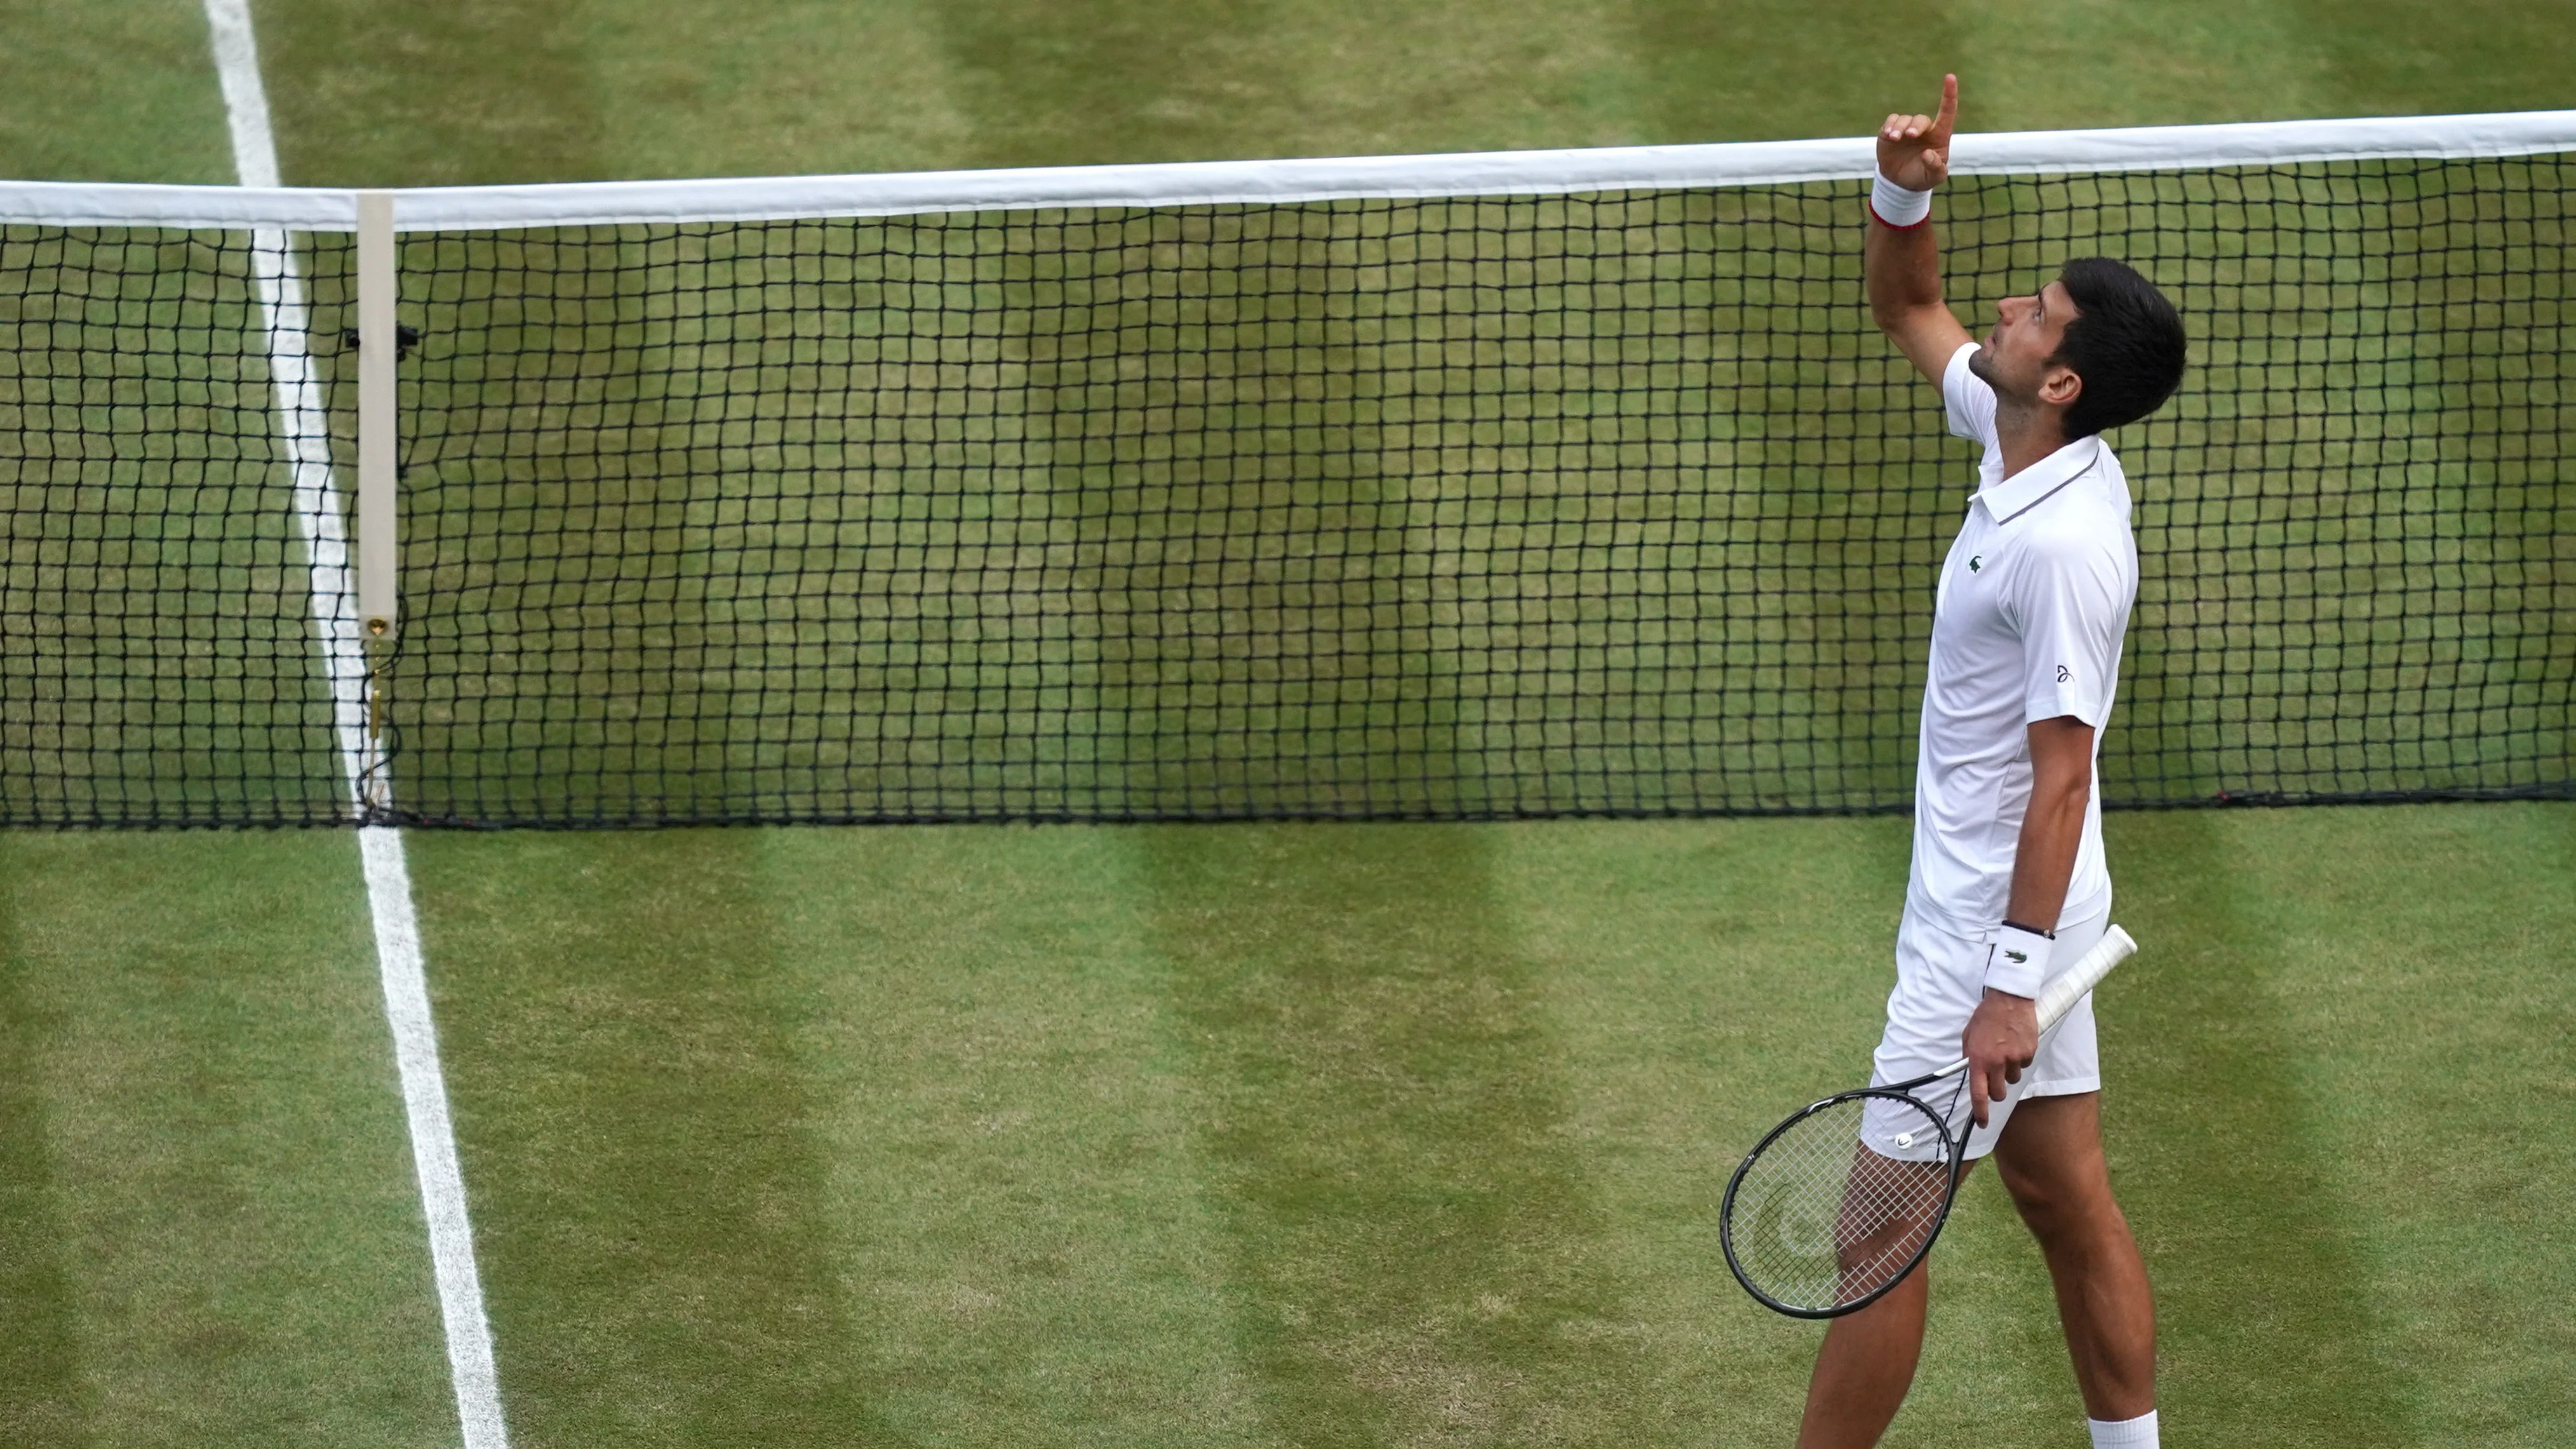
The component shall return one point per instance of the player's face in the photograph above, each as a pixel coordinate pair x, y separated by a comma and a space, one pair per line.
2027, 330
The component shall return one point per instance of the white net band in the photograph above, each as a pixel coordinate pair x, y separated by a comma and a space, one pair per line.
1502, 173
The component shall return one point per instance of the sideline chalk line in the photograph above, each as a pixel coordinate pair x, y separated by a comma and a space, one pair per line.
303, 426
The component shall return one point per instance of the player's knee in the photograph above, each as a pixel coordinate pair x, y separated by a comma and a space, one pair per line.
2064, 1207
2041, 1206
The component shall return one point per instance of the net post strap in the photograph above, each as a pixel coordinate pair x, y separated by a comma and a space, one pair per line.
379, 452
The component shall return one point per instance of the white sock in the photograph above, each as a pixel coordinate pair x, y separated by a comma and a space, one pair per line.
2137, 1433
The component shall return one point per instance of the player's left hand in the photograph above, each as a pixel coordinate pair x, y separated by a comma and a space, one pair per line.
2000, 1041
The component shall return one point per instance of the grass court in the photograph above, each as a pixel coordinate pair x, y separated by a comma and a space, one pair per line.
1220, 1135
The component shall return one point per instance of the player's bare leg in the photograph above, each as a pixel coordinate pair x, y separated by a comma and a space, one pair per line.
1866, 1365
2050, 1156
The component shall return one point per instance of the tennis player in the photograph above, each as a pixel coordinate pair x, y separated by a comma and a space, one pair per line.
2009, 884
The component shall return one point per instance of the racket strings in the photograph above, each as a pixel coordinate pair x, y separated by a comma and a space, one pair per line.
1821, 1221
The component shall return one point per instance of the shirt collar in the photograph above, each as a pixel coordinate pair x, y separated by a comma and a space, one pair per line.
2008, 498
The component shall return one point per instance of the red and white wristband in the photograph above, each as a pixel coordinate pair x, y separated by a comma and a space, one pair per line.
2018, 961
1897, 207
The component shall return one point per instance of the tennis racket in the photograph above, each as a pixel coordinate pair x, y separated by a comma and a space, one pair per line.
1816, 1224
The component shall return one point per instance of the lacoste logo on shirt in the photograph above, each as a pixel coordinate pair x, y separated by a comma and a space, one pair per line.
1976, 562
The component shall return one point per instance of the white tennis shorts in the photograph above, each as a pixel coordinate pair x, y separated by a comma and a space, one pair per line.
1940, 978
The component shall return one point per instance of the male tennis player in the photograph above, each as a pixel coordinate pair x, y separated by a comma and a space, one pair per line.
2008, 884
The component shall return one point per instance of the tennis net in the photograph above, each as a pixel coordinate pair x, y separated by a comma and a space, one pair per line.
1455, 487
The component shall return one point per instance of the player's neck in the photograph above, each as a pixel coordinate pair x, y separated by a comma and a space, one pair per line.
2027, 434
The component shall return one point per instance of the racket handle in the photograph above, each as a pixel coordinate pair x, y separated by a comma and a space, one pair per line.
2059, 996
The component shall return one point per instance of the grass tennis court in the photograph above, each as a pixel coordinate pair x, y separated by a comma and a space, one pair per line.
1225, 1134
1291, 1134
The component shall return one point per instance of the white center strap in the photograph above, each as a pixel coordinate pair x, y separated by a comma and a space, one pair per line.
1897, 206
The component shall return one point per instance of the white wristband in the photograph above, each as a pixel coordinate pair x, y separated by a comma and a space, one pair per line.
1898, 207
2018, 961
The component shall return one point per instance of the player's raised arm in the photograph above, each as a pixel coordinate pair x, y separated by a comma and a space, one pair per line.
1903, 262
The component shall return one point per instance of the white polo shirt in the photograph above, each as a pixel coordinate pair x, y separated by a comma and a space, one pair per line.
2033, 603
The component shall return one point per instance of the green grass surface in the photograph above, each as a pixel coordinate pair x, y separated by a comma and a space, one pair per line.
1413, 1134
1236, 1135
1260, 1135
505, 90
122, 92
208, 1232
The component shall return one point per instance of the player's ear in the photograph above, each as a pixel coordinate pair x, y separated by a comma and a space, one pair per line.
2060, 386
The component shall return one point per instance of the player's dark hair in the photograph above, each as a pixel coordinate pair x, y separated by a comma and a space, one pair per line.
2126, 343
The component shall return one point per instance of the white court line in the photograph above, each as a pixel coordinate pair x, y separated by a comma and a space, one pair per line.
433, 1138
303, 426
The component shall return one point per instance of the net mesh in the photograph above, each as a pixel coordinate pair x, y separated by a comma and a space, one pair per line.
1446, 508
157, 654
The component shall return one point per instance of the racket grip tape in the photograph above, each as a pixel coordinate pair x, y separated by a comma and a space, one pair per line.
2059, 996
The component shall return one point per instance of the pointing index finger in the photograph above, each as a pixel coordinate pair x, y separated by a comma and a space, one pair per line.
1949, 108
